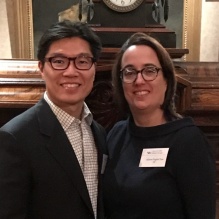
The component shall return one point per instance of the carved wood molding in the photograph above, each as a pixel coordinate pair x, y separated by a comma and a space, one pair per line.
109, 53
203, 77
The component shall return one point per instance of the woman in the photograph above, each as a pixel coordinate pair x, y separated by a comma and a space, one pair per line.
160, 165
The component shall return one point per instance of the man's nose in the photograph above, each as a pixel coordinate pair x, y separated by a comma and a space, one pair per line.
71, 70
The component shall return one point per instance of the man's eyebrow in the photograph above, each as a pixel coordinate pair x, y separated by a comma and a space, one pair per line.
56, 54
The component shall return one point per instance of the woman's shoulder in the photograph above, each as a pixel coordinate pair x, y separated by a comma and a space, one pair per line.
118, 127
187, 126
115, 137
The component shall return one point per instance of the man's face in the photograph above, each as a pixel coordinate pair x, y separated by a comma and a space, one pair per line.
68, 88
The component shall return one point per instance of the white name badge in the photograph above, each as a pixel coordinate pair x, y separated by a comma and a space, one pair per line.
154, 157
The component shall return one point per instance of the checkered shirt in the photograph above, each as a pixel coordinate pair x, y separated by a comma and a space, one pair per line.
81, 138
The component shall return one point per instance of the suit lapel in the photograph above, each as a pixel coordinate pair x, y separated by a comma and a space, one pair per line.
100, 141
60, 148
99, 138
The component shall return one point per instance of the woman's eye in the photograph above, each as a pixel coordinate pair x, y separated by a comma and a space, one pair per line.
128, 73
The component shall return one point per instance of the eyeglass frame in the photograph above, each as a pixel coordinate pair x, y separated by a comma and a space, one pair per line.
139, 71
49, 59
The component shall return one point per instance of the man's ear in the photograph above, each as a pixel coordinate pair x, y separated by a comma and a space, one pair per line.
41, 66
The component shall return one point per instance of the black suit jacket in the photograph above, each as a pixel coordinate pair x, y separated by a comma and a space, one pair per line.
40, 176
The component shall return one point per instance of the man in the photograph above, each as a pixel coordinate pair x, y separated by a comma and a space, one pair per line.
51, 155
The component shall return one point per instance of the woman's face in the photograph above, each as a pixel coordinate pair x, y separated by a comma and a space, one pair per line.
141, 95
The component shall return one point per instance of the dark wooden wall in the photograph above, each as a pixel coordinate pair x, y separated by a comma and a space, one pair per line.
197, 94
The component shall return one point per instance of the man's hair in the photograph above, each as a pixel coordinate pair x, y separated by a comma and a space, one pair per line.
167, 68
68, 29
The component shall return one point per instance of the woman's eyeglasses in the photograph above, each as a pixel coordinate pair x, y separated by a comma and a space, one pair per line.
148, 73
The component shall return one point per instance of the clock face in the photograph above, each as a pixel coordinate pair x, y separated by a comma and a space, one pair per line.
123, 5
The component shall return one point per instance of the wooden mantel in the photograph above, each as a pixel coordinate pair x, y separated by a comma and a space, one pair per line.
109, 53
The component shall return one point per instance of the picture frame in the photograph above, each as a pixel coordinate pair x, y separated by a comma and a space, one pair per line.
20, 22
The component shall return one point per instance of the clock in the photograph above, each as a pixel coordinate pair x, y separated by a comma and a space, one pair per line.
121, 13
115, 20
123, 5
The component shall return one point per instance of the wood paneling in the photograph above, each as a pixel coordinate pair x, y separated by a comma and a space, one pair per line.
21, 87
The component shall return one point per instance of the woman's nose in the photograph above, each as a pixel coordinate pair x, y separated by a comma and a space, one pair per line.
139, 78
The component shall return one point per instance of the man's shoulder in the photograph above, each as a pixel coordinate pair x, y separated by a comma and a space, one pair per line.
98, 127
23, 120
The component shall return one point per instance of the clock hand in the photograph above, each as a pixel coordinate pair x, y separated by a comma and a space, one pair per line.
80, 10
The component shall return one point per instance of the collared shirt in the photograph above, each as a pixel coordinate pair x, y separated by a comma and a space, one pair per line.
81, 138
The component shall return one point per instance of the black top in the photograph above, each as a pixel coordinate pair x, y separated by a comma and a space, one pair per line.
184, 188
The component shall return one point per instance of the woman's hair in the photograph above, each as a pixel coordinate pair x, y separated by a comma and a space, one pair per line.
168, 70
68, 29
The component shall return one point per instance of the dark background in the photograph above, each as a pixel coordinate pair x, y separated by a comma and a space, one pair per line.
45, 12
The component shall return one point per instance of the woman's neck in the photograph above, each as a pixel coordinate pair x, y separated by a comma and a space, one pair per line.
143, 119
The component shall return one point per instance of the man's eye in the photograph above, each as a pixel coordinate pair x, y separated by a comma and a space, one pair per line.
83, 61
58, 61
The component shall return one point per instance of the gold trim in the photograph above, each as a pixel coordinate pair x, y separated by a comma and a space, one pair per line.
192, 29
20, 20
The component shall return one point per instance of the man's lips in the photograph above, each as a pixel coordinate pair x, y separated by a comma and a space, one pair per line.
70, 85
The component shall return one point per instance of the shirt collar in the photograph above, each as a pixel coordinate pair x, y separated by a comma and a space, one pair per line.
64, 118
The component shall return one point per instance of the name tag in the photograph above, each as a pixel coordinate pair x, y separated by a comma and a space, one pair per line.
154, 157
